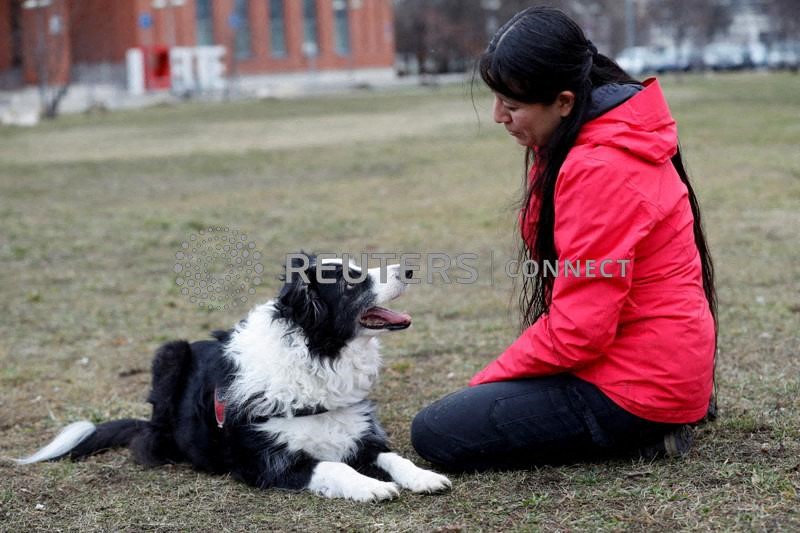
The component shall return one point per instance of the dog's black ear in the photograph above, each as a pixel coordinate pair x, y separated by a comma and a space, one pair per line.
298, 265
299, 299
300, 302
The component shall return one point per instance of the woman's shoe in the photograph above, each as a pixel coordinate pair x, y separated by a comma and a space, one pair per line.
676, 443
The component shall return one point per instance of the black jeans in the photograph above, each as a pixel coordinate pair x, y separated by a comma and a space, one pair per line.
513, 424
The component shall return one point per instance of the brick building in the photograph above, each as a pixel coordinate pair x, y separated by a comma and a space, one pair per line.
52, 40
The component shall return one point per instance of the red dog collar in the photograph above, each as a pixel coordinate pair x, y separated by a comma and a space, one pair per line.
219, 408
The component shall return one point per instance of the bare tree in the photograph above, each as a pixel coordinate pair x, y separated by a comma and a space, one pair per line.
446, 34
699, 22
785, 16
460, 33
50, 52
450, 33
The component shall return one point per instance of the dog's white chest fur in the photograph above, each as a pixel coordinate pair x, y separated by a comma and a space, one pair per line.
275, 374
331, 436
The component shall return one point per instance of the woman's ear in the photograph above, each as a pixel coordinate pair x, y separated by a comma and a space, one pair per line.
565, 101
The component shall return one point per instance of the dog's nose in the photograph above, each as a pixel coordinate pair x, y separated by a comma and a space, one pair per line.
408, 275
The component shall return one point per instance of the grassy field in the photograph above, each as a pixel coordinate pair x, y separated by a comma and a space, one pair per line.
93, 210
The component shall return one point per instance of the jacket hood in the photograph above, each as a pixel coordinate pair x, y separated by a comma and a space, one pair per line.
642, 125
608, 96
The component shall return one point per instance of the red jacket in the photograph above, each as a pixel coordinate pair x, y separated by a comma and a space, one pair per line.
645, 338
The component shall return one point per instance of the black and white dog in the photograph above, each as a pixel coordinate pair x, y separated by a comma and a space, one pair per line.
280, 400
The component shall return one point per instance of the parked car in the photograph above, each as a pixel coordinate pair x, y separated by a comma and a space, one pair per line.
725, 56
636, 60
683, 58
784, 55
690, 58
756, 55
665, 59
660, 59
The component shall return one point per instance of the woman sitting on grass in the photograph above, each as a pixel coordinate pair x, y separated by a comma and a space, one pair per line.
612, 361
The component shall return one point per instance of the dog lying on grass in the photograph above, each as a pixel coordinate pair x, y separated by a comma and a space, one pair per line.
279, 400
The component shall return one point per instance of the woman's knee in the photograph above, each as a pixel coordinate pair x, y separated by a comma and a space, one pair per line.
430, 445
420, 435
454, 430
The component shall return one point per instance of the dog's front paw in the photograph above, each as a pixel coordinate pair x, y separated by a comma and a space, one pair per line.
427, 482
338, 480
373, 490
410, 476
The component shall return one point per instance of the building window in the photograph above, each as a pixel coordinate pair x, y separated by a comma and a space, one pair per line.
341, 27
240, 21
204, 20
310, 32
277, 28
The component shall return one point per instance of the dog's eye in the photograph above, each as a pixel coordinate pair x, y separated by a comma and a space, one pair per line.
349, 286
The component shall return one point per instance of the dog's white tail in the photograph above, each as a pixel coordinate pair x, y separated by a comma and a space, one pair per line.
66, 440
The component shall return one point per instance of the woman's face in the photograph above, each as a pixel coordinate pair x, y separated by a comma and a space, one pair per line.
531, 124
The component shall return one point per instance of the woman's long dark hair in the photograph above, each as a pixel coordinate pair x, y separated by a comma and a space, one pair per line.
532, 58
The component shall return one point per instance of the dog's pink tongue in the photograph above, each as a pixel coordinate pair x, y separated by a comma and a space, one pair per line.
380, 317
